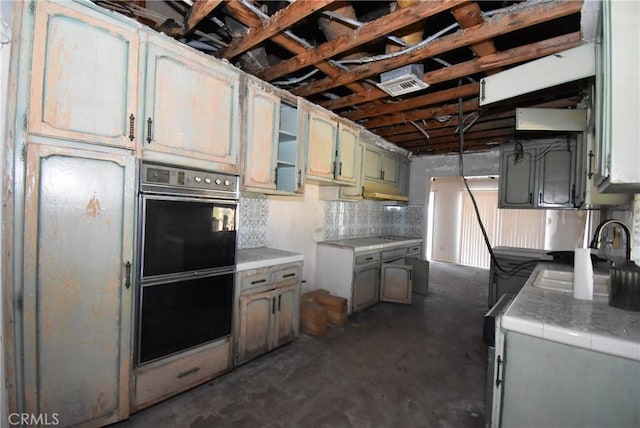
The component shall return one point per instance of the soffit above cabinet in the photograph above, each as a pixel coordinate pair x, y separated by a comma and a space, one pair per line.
334, 54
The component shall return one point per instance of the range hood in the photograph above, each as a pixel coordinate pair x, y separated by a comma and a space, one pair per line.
382, 192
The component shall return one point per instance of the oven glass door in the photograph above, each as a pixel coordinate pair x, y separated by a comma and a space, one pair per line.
179, 315
186, 235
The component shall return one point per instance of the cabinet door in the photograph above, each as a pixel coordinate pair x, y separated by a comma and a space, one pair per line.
261, 136
191, 104
403, 177
347, 150
256, 324
517, 175
390, 167
287, 313
321, 145
77, 286
365, 287
84, 72
355, 192
395, 285
372, 169
556, 176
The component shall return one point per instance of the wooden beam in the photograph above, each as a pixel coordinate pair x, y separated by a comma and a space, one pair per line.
469, 15
370, 31
471, 136
421, 114
442, 132
250, 19
473, 146
413, 103
275, 24
497, 60
199, 10
506, 24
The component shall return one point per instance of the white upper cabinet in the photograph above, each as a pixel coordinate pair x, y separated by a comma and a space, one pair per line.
348, 137
321, 144
380, 165
618, 98
272, 147
84, 73
191, 105
331, 147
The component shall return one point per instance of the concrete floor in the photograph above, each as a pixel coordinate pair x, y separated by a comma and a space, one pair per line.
393, 365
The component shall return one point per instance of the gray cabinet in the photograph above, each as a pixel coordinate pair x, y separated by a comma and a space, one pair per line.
366, 281
380, 166
268, 309
77, 284
539, 175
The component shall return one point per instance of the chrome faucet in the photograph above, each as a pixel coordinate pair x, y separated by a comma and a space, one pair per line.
597, 236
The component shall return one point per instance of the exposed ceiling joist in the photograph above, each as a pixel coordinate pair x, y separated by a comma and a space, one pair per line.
506, 24
421, 114
368, 32
199, 10
277, 23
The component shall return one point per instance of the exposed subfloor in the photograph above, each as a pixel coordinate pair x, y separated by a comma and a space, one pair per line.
393, 365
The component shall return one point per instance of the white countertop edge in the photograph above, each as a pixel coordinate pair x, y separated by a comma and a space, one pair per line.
580, 339
381, 246
269, 262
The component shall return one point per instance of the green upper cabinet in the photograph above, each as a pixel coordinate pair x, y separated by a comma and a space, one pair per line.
380, 165
84, 73
272, 148
191, 106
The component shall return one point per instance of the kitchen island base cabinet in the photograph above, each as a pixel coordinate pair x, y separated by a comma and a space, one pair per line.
77, 293
268, 310
366, 282
160, 380
552, 384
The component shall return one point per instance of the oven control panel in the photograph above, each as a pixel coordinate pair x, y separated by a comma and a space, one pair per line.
187, 179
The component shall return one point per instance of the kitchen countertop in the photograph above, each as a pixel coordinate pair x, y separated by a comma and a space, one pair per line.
522, 252
591, 324
254, 258
372, 243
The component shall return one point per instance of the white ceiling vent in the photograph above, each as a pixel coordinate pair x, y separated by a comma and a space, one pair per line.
403, 80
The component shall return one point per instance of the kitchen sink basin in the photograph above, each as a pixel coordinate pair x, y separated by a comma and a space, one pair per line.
562, 280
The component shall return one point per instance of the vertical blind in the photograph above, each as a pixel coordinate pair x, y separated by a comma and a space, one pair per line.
512, 228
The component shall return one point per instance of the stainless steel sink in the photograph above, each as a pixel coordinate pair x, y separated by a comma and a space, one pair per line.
562, 280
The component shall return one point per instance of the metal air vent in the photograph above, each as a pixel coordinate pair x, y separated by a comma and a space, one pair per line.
403, 80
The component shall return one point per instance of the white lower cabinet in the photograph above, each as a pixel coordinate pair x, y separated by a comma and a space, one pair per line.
268, 309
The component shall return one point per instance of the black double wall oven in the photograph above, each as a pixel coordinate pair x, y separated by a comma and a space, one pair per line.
186, 256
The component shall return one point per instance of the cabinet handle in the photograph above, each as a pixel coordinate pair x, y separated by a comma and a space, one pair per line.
369, 258
132, 121
276, 173
279, 298
258, 281
590, 172
273, 305
573, 195
381, 175
530, 198
289, 275
340, 169
149, 130
300, 178
540, 198
498, 380
410, 275
188, 372
127, 273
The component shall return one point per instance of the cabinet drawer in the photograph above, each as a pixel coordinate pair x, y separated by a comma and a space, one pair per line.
394, 254
163, 380
415, 249
367, 258
291, 272
257, 280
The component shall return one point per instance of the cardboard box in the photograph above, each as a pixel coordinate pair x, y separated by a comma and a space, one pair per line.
313, 318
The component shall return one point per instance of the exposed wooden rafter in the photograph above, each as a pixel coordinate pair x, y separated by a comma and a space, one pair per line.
509, 23
199, 10
277, 23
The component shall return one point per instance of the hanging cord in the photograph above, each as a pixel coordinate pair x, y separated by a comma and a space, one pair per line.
475, 204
